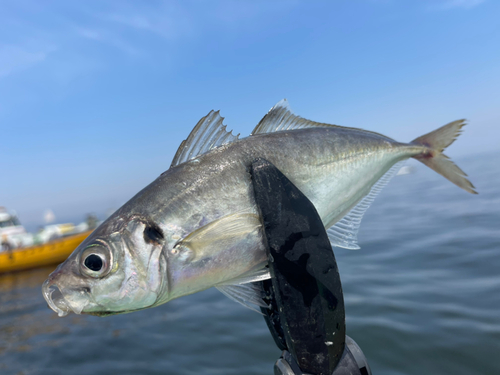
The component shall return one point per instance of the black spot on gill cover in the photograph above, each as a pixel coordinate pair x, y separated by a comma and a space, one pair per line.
153, 234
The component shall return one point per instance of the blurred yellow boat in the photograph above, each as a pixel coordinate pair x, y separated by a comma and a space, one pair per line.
55, 251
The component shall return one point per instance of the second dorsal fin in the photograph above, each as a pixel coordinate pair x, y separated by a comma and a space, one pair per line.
281, 117
208, 133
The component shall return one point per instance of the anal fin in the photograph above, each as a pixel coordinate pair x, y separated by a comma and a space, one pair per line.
248, 295
243, 291
344, 233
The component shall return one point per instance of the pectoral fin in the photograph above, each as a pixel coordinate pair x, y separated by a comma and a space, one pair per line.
221, 233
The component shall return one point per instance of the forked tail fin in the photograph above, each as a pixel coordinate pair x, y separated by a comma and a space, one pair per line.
436, 141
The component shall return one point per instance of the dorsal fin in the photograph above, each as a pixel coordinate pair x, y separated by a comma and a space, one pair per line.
281, 117
344, 233
208, 134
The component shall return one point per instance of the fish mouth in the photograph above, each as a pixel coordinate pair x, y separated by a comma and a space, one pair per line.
57, 303
56, 300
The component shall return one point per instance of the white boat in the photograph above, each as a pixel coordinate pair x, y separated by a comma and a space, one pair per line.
12, 233
20, 250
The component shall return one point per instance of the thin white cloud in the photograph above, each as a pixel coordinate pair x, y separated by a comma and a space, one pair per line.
123, 27
176, 20
15, 58
453, 4
109, 38
168, 20
89, 33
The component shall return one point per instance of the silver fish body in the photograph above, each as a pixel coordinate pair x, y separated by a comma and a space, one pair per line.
197, 226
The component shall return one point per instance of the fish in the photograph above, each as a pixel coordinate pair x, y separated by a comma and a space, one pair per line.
197, 225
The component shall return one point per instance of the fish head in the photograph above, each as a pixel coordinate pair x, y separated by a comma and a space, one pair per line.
119, 268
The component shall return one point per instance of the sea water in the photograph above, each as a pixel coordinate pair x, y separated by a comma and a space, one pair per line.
422, 296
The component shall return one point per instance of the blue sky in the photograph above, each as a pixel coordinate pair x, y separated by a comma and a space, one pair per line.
95, 96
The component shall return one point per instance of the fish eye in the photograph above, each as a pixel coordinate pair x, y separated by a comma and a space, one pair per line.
93, 262
96, 261
153, 234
